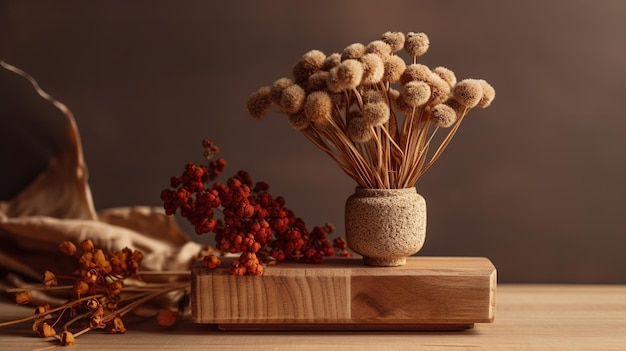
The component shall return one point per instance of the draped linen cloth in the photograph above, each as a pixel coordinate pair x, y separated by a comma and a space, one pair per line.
58, 206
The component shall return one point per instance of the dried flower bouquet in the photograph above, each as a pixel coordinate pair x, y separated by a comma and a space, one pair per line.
373, 113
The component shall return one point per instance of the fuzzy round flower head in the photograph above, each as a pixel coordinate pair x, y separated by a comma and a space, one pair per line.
318, 107
353, 51
446, 74
372, 95
299, 121
277, 88
259, 102
379, 48
399, 103
308, 64
376, 113
394, 68
373, 68
395, 40
458, 108
439, 89
317, 81
416, 44
468, 92
444, 115
331, 61
292, 99
358, 130
415, 93
346, 76
415, 72
489, 93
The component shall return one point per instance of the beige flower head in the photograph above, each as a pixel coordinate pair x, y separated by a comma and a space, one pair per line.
345, 76
458, 108
371, 95
292, 99
353, 51
468, 92
444, 115
376, 113
308, 64
415, 72
395, 40
489, 93
331, 61
299, 121
446, 74
394, 68
416, 44
259, 102
379, 48
277, 88
318, 107
399, 103
439, 89
317, 81
373, 68
358, 130
415, 93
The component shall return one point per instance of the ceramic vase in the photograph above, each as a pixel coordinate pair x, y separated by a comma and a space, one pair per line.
385, 226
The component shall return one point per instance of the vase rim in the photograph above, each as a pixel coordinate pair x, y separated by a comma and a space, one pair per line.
363, 190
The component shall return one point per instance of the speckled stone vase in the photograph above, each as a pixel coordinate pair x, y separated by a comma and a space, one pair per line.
385, 226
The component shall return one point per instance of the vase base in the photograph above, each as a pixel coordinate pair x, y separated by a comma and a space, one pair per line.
384, 261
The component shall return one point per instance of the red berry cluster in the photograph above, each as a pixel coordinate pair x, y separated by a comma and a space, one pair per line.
252, 219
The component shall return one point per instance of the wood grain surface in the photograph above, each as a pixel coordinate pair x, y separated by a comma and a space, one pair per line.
426, 293
528, 317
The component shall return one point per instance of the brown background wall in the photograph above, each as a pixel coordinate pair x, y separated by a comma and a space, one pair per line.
535, 182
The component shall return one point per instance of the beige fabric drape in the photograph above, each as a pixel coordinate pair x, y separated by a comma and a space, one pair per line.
58, 206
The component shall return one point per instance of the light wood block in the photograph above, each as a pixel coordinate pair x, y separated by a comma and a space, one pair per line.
428, 293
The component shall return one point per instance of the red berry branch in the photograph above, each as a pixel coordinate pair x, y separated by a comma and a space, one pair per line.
253, 222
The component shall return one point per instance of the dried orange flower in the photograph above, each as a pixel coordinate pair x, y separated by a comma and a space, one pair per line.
24, 297
45, 330
67, 338
43, 308
114, 287
68, 248
166, 317
87, 245
49, 279
211, 261
117, 326
81, 288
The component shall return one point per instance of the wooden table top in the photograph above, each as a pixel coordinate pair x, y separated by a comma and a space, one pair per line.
528, 317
